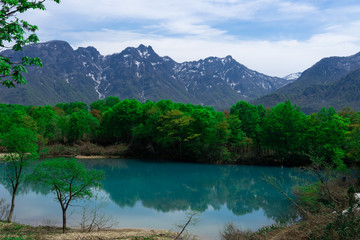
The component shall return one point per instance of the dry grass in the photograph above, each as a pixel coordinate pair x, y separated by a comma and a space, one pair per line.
61, 150
87, 150
326, 221
2, 148
17, 231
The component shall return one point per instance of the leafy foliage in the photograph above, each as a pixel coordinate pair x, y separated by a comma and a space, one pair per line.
327, 133
21, 147
119, 121
18, 33
283, 129
68, 178
180, 131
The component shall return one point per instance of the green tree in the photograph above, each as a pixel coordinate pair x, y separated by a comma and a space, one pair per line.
68, 178
71, 107
326, 135
236, 135
98, 105
119, 122
211, 134
102, 105
17, 33
249, 117
62, 128
80, 126
174, 130
146, 134
20, 118
21, 145
4, 123
283, 129
45, 118
353, 135
105, 104
165, 105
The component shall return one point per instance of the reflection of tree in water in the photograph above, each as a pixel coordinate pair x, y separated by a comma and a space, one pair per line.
24, 187
178, 186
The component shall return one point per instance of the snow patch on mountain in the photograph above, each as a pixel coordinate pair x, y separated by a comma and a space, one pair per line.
144, 54
292, 76
137, 63
97, 85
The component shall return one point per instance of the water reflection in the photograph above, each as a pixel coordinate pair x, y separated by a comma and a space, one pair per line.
178, 186
154, 194
24, 187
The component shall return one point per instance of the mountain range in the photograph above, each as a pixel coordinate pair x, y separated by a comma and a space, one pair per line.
85, 75
331, 82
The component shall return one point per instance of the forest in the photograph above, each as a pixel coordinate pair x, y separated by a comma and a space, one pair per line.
327, 142
247, 134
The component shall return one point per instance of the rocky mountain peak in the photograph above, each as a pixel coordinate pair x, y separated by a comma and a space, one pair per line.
57, 45
88, 54
140, 53
85, 75
145, 52
228, 59
90, 49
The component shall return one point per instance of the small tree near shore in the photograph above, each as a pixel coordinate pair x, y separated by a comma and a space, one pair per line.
21, 149
68, 178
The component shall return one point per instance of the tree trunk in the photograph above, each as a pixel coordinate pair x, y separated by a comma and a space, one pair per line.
11, 212
11, 208
64, 220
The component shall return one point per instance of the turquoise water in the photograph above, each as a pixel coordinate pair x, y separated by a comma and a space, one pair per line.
156, 195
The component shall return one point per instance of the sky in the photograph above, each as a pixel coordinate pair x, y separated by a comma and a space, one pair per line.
274, 37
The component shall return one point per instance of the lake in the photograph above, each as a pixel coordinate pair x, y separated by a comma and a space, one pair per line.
157, 194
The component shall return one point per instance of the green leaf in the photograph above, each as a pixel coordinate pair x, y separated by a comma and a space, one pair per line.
15, 32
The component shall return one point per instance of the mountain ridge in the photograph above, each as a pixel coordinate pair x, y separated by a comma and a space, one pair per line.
86, 75
322, 85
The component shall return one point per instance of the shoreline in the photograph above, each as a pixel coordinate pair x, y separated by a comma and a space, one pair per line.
77, 156
246, 162
55, 233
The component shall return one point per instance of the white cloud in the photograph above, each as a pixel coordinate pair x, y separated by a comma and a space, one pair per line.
277, 58
189, 27
189, 30
174, 17
177, 9
290, 7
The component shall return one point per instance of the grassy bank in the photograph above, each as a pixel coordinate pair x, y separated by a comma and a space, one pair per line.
88, 150
16, 231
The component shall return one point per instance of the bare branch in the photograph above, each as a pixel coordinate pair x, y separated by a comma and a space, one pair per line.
272, 181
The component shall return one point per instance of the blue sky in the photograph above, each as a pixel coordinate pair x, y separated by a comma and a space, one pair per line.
275, 37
